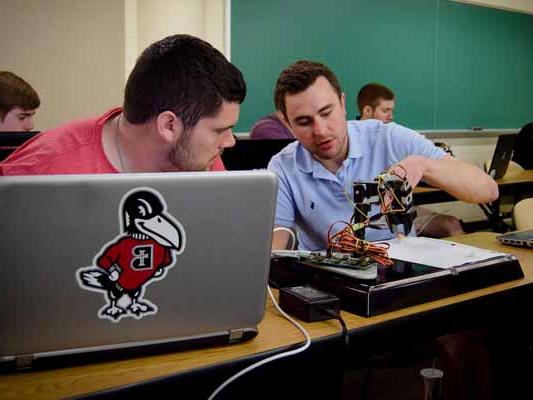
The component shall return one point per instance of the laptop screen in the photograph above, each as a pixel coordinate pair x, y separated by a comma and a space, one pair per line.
502, 156
9, 141
252, 153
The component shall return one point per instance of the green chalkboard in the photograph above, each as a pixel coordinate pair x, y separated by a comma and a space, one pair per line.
451, 65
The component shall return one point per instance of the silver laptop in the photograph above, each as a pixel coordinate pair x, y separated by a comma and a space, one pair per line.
518, 238
94, 263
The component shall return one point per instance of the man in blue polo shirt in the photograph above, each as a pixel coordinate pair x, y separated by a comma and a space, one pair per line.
316, 171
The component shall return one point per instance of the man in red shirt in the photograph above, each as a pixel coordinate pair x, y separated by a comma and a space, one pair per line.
181, 102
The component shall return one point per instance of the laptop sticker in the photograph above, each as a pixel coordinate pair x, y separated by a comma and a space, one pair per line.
141, 254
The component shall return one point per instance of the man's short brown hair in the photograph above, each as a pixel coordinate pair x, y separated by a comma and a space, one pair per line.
185, 75
16, 92
371, 94
298, 77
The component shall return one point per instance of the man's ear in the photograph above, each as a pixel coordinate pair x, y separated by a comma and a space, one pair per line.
367, 112
169, 126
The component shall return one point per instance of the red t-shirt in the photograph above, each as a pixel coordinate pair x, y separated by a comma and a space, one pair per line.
74, 148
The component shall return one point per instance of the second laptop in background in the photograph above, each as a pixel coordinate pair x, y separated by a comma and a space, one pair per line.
502, 156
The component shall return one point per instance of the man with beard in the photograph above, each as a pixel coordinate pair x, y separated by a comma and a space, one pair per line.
181, 102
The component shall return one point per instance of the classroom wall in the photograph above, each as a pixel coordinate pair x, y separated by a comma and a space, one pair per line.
77, 54
70, 51
150, 20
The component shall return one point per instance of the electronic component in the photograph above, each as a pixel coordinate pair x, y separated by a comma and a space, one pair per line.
333, 259
341, 260
309, 304
393, 193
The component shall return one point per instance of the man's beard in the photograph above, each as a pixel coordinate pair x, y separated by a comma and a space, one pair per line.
181, 156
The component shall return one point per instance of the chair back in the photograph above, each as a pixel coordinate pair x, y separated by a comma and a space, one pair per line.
523, 214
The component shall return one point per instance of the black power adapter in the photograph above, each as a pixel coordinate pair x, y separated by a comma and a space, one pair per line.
309, 304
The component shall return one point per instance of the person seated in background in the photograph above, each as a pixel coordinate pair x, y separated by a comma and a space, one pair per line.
523, 148
18, 103
181, 102
376, 101
271, 126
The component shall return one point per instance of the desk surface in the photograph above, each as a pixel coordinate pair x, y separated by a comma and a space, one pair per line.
522, 179
274, 332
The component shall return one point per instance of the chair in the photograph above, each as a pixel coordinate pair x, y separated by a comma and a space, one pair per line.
523, 214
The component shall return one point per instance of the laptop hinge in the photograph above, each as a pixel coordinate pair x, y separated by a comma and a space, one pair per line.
24, 361
235, 335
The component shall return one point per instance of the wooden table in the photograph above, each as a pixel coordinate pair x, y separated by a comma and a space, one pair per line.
275, 334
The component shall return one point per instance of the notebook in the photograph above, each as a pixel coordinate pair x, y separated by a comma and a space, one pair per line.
520, 238
252, 153
104, 263
502, 155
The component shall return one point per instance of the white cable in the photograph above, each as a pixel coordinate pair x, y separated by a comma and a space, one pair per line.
272, 358
290, 232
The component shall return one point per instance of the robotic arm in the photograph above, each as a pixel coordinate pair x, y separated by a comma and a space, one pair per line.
393, 194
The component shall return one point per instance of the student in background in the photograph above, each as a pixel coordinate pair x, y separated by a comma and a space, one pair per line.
18, 103
271, 126
376, 101
181, 102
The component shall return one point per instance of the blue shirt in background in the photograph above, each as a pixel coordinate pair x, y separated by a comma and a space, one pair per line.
311, 198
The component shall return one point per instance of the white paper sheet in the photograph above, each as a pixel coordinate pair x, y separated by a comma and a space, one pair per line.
437, 252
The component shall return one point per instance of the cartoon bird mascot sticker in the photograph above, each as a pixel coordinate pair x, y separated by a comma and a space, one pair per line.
140, 255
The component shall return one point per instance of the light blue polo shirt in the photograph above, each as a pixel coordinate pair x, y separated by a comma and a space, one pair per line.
311, 198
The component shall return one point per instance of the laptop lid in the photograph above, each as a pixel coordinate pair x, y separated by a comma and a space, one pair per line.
519, 238
252, 153
502, 155
99, 262
10, 141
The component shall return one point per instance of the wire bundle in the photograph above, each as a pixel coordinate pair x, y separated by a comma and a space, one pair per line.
346, 241
390, 203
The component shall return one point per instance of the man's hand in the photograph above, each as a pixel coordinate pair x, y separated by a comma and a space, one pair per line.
411, 168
